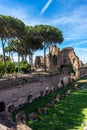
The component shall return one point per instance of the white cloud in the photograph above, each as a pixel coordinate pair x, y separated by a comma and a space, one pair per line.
45, 7
18, 11
73, 25
15, 11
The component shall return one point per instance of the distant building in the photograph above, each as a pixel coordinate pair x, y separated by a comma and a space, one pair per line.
52, 57
64, 60
39, 61
68, 60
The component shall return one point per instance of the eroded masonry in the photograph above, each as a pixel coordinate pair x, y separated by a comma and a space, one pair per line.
15, 92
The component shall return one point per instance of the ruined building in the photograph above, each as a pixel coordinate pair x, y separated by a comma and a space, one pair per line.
52, 57
68, 60
17, 91
64, 60
67, 57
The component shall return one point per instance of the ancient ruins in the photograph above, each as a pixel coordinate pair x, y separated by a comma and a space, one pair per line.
15, 92
56, 59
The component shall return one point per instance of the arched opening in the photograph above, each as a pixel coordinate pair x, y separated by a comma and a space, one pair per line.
62, 82
74, 60
29, 99
2, 106
41, 93
11, 108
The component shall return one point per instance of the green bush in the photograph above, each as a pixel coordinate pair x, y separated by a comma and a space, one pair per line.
25, 67
1, 68
16, 68
1, 75
10, 67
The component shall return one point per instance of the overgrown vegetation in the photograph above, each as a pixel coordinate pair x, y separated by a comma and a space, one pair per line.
24, 67
68, 114
12, 68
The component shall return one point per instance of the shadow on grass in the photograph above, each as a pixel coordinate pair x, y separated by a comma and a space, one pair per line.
66, 115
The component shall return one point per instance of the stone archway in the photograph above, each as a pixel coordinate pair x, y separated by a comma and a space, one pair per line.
2, 106
41, 93
29, 98
11, 108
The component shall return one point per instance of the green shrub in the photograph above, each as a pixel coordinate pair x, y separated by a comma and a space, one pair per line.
10, 67
24, 67
16, 68
1, 68
1, 75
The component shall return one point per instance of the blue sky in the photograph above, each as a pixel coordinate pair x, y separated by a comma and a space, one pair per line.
70, 16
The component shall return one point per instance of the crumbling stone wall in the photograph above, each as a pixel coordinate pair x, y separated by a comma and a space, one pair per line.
68, 59
52, 57
15, 95
67, 56
64, 59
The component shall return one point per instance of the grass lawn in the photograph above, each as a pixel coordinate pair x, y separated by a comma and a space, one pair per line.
68, 114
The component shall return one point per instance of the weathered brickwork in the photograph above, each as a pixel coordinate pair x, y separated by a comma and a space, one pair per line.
14, 94
64, 60
17, 94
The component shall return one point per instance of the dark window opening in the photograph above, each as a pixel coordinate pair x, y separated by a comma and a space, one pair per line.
29, 98
74, 60
11, 108
2, 106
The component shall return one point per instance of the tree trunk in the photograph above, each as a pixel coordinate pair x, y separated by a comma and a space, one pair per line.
5, 68
22, 56
12, 57
9, 51
25, 57
31, 60
50, 60
44, 57
9, 55
18, 63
